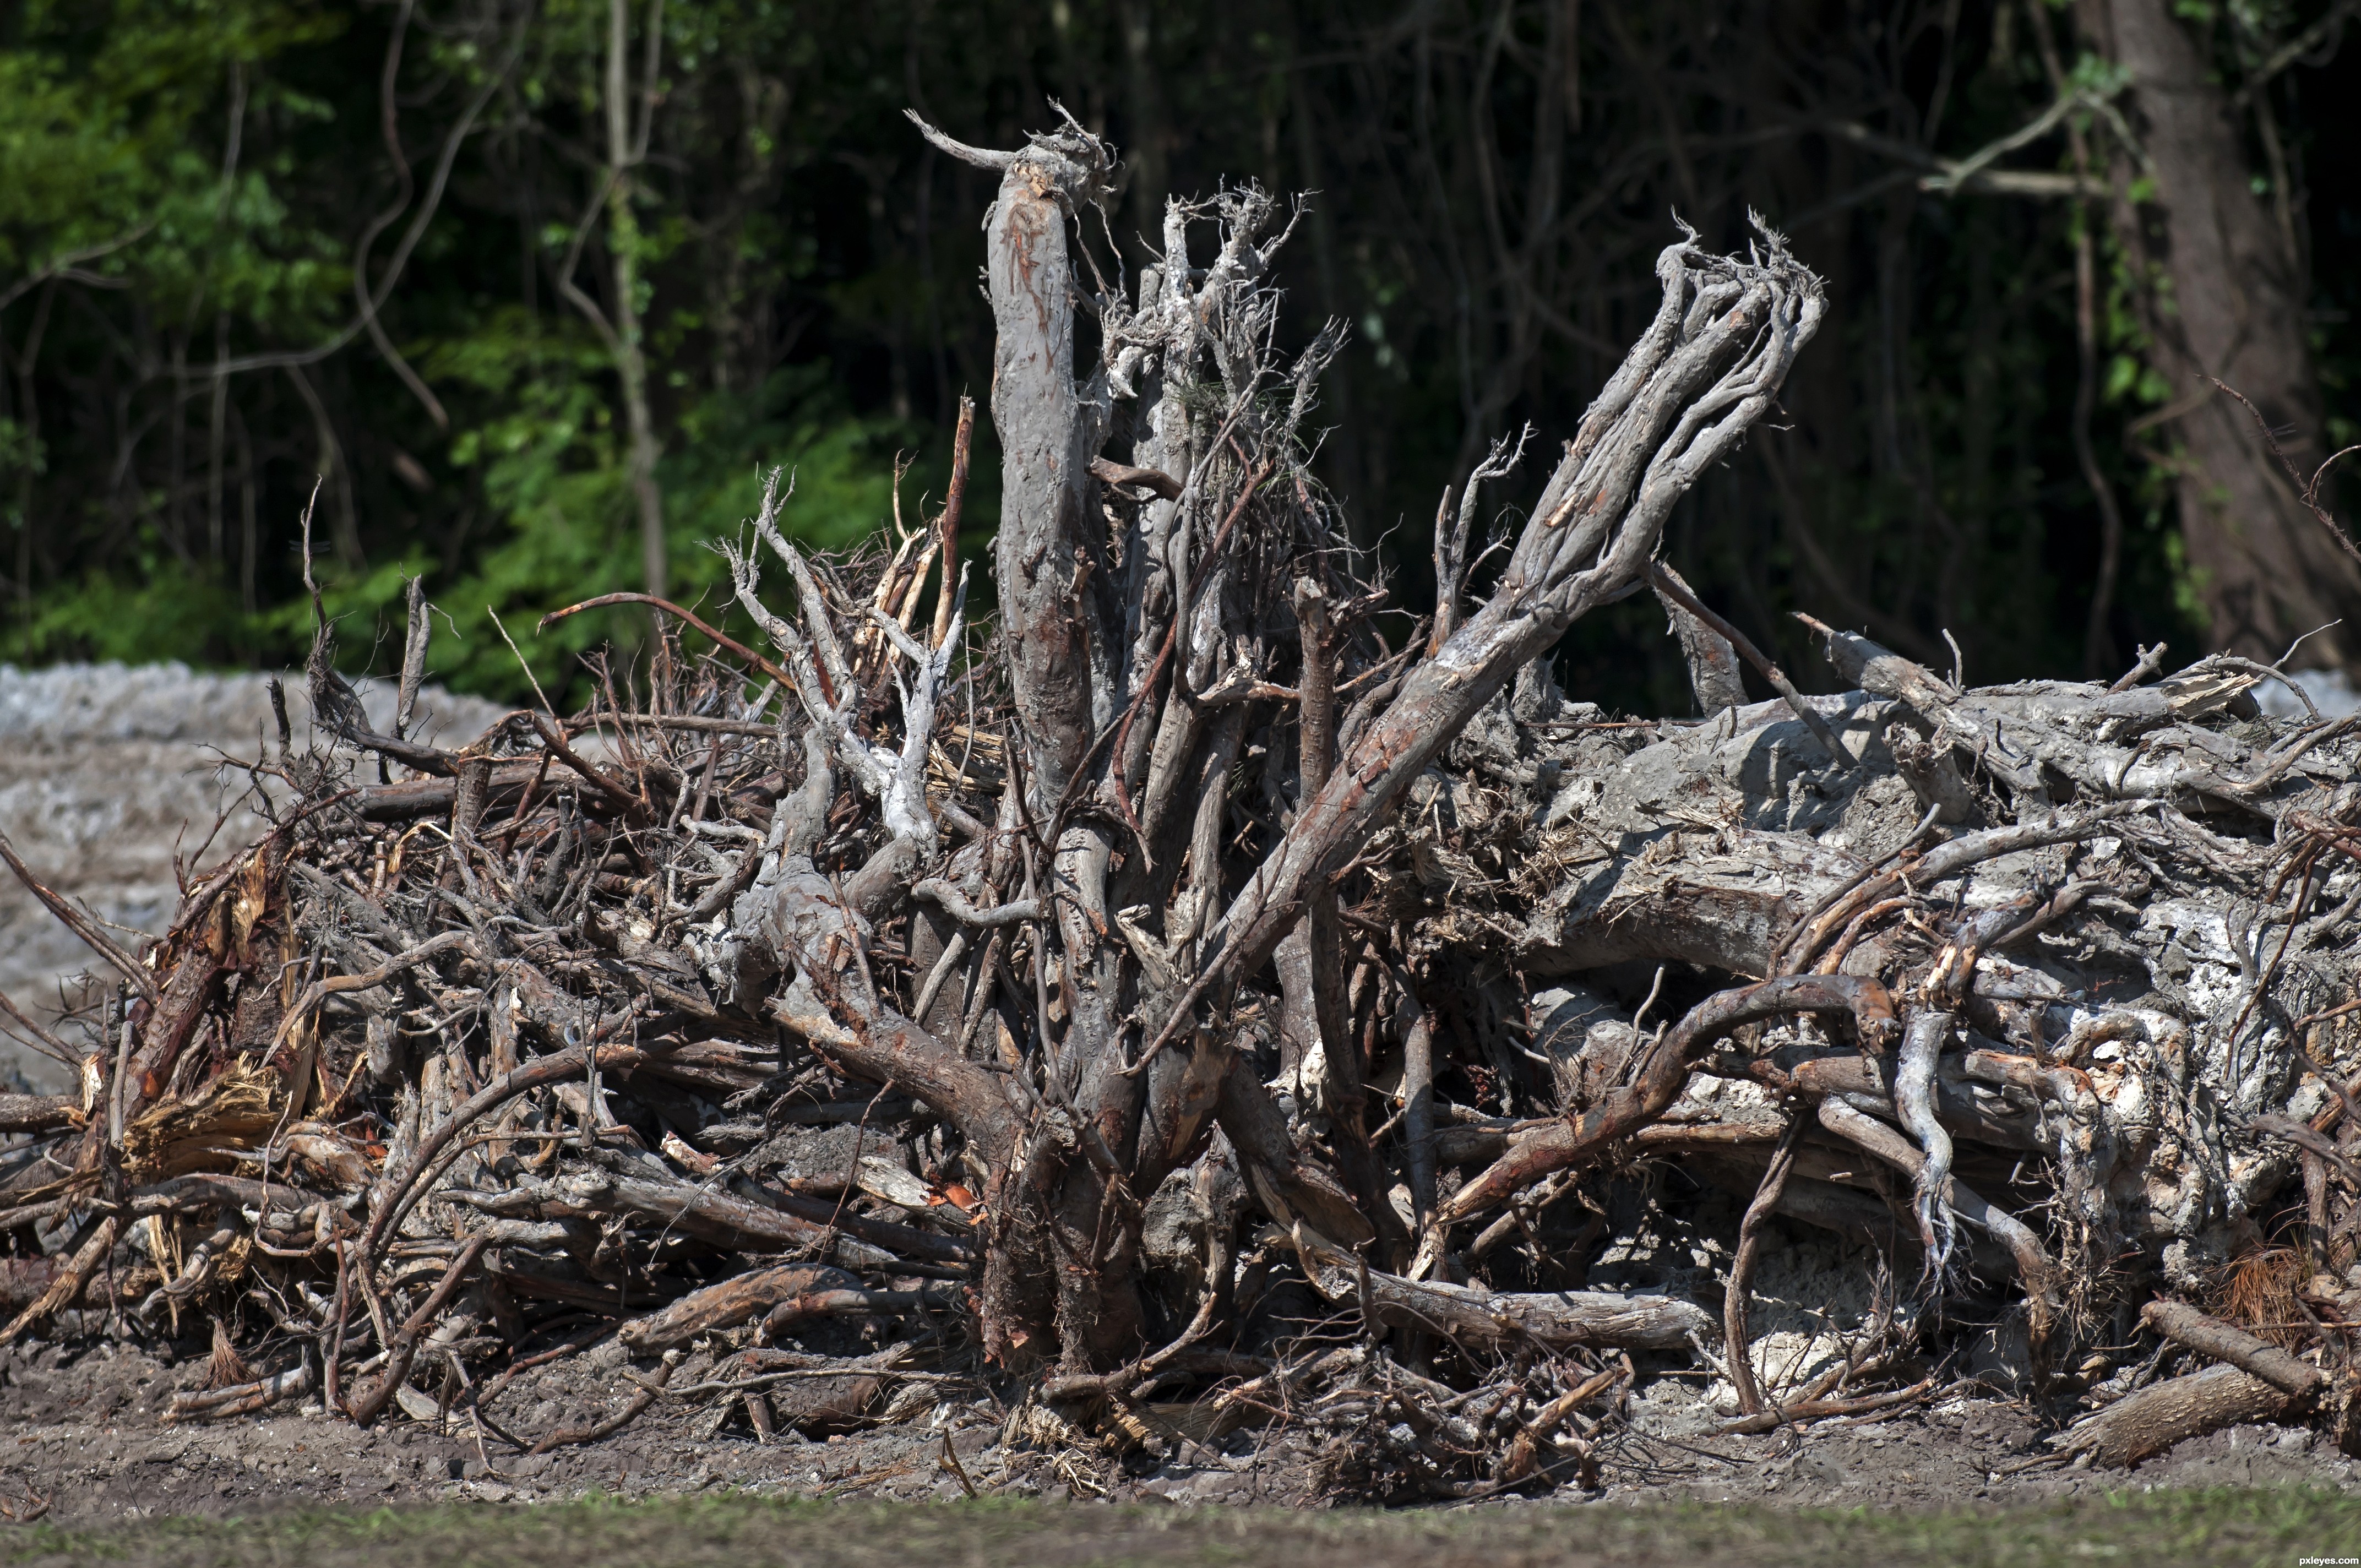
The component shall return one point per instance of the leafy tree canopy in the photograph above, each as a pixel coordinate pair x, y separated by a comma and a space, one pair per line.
518, 284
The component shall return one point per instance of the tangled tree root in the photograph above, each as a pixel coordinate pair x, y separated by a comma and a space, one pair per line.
1206, 1003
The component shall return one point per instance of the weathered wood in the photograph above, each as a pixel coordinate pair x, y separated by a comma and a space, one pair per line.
1713, 663
1956, 1104
1635, 457
779, 1219
38, 1112
1876, 1138
1658, 1083
87, 1251
2142, 1425
1859, 1217
1737, 1298
729, 1302
1507, 1320
1243, 815
1289, 1185
413, 799
2184, 1325
1052, 614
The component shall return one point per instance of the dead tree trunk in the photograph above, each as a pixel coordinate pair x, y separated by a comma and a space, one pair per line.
1119, 645
2223, 299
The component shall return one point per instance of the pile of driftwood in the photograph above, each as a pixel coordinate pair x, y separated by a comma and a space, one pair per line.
1215, 997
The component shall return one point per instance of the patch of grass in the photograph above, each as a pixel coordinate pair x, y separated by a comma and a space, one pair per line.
2274, 1527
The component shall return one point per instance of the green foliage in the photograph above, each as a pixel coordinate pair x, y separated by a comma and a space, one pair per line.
157, 608
547, 454
99, 133
193, 183
237, 242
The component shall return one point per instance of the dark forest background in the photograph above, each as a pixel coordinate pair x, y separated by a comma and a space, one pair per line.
529, 283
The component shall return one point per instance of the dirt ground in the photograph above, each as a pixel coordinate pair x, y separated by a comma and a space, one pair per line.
85, 1444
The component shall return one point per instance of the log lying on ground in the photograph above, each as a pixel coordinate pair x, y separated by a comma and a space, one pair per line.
730, 1302
1505, 1320
38, 1112
2143, 1425
2257, 1381
2184, 1325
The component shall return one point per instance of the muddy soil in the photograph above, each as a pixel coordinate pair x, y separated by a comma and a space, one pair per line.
84, 1438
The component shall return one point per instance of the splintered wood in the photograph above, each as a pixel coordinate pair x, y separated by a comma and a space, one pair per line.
1206, 996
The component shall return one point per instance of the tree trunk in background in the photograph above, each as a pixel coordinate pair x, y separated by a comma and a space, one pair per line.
2222, 297
624, 244
1151, 139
